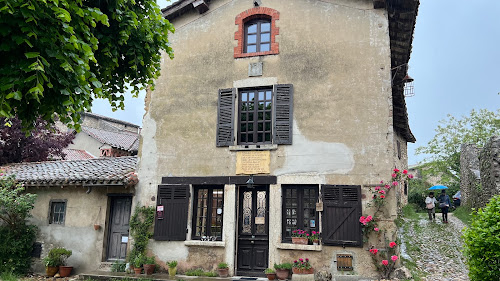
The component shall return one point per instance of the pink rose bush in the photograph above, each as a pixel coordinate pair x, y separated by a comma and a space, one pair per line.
384, 259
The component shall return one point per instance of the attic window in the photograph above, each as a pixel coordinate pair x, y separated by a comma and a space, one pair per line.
256, 33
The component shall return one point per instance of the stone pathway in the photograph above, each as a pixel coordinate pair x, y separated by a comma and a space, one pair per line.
435, 248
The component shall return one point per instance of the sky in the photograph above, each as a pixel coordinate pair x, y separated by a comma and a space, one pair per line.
455, 62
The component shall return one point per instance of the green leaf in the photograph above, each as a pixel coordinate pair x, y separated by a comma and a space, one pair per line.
16, 95
32, 55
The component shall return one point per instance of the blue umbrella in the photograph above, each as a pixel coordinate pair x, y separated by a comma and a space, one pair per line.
438, 187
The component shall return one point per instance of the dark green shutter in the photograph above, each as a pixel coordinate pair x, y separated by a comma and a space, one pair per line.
341, 213
175, 202
283, 114
225, 117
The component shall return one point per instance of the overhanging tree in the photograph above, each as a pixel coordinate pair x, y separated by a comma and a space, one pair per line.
451, 133
40, 144
57, 56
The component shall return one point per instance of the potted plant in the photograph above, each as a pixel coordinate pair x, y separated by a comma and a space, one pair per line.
223, 269
149, 265
172, 268
299, 236
302, 266
56, 260
314, 237
138, 262
282, 270
270, 273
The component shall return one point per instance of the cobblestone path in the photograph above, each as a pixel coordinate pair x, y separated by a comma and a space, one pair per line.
434, 248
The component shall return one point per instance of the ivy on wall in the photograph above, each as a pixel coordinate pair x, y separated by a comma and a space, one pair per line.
141, 224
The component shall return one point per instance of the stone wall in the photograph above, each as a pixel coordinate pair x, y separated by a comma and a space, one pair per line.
489, 164
480, 173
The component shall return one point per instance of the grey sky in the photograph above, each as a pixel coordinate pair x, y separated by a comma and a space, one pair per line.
455, 63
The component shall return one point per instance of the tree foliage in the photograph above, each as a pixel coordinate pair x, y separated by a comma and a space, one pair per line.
59, 55
482, 243
451, 133
40, 144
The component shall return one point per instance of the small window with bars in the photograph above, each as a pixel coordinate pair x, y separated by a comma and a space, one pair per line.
299, 209
255, 114
57, 212
208, 212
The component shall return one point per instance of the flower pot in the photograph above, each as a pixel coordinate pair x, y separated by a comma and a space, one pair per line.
172, 271
97, 227
302, 270
316, 242
223, 272
137, 270
51, 270
271, 276
149, 268
65, 271
300, 240
282, 274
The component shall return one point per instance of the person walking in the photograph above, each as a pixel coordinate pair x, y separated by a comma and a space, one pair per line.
430, 204
444, 204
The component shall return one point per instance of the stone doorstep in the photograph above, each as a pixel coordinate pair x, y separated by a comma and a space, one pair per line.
105, 266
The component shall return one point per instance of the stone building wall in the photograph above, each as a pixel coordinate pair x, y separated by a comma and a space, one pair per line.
469, 182
489, 164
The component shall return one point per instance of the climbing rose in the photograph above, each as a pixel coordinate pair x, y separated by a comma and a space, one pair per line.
392, 244
394, 183
394, 258
301, 260
374, 251
307, 234
393, 175
307, 259
382, 196
410, 176
382, 192
295, 261
385, 262
396, 170
377, 188
314, 232
368, 218
387, 186
362, 220
405, 172
376, 229
381, 181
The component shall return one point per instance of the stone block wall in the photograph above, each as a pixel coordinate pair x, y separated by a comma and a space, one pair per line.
469, 182
489, 164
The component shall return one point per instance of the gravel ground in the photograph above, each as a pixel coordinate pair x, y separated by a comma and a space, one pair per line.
435, 248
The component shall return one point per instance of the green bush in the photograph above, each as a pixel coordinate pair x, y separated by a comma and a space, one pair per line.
482, 242
118, 266
200, 272
15, 248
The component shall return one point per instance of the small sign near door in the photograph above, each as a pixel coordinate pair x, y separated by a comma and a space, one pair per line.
124, 239
260, 220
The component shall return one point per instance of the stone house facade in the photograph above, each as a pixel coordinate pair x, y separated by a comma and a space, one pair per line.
275, 116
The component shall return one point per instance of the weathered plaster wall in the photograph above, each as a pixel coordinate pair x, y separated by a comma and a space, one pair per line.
86, 142
469, 180
77, 234
489, 165
337, 56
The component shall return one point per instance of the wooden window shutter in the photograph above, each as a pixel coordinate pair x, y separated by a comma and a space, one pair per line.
341, 213
175, 202
283, 114
225, 117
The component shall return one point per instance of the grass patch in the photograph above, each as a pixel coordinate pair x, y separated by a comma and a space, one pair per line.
8, 276
464, 214
200, 272
409, 212
413, 268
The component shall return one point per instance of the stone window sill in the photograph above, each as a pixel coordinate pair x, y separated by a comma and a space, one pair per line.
204, 243
290, 246
253, 147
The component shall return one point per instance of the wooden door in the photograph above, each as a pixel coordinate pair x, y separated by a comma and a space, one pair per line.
253, 231
118, 228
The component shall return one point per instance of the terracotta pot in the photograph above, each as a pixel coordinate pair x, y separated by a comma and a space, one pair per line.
172, 271
282, 274
65, 271
149, 268
316, 242
51, 270
137, 270
300, 240
271, 276
303, 271
223, 272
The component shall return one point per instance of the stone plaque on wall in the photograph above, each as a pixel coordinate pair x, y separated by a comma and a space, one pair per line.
253, 162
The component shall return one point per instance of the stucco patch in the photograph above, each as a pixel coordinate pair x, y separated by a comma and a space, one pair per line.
317, 157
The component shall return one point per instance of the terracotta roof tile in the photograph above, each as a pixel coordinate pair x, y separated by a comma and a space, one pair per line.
108, 170
123, 140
